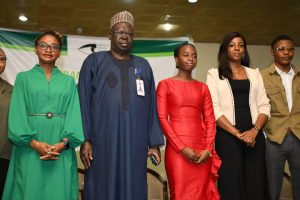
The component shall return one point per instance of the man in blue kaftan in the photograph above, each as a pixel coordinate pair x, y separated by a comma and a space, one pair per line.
118, 105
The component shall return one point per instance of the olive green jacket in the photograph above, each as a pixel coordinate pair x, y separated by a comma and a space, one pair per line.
5, 94
276, 128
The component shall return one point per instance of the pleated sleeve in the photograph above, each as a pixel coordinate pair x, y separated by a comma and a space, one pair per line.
19, 131
73, 123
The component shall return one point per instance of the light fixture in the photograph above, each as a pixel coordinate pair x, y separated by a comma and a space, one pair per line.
23, 18
79, 30
192, 1
167, 26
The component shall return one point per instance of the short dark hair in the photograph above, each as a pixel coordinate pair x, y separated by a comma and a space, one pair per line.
55, 34
223, 59
281, 37
178, 48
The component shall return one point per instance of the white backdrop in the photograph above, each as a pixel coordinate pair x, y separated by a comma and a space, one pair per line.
22, 57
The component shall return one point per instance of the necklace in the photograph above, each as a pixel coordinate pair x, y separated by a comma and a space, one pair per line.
236, 72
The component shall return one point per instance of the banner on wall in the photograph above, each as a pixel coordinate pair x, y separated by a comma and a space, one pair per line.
19, 49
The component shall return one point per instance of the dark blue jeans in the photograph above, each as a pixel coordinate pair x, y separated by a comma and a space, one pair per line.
276, 156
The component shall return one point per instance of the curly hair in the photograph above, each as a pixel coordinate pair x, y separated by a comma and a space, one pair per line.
55, 34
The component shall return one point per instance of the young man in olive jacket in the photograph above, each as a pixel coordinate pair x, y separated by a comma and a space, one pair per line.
282, 83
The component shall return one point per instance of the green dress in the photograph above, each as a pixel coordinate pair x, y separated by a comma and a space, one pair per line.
30, 178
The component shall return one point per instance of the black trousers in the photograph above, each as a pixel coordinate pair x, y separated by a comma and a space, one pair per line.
3, 172
242, 175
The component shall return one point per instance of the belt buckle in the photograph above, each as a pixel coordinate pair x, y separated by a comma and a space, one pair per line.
49, 115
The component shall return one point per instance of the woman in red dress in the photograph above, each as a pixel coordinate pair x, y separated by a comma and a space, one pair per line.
186, 115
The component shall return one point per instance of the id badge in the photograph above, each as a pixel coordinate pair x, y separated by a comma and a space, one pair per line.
140, 87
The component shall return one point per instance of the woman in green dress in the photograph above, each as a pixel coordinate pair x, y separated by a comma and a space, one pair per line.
45, 127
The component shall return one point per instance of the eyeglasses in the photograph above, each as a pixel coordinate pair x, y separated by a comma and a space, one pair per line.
121, 33
282, 49
3, 58
44, 46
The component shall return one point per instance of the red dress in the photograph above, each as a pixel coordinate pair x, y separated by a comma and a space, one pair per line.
186, 115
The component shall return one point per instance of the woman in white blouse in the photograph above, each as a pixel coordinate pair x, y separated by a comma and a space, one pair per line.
241, 109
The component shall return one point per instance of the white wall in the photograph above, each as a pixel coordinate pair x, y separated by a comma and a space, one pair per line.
260, 56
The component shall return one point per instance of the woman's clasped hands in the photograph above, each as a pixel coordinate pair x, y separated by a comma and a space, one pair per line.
248, 137
195, 157
47, 151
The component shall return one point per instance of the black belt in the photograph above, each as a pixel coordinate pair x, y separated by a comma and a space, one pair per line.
49, 115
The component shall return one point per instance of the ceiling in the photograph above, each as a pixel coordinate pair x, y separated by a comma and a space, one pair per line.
205, 21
